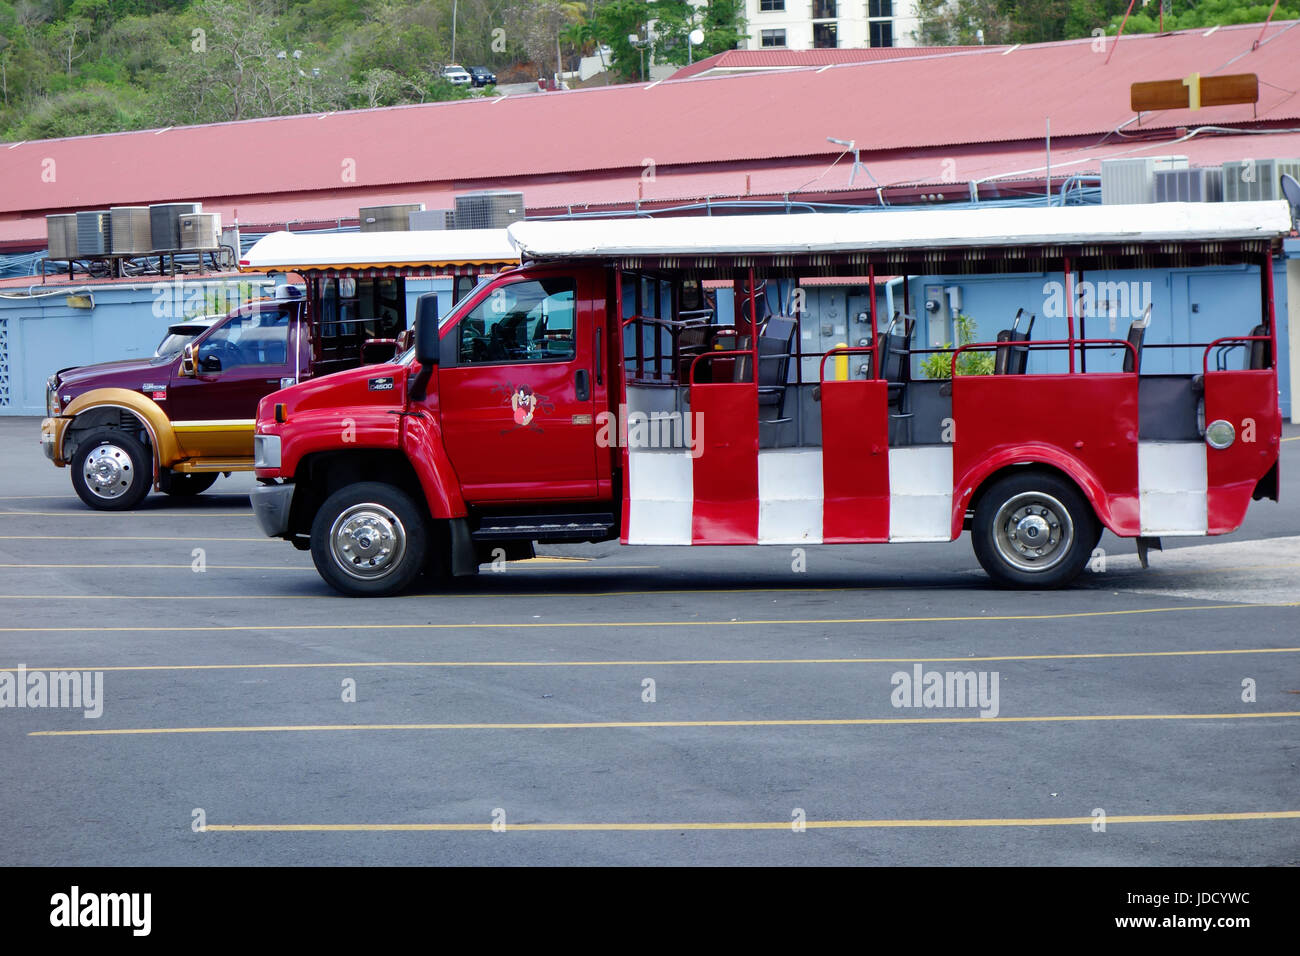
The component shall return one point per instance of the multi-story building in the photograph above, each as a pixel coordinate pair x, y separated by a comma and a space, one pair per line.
826, 24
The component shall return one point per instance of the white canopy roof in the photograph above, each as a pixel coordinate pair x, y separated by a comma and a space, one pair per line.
896, 230
290, 251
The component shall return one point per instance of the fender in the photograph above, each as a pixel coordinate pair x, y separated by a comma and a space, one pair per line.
422, 441
1034, 453
166, 449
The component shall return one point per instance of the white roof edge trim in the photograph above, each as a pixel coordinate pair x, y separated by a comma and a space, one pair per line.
921, 229
378, 249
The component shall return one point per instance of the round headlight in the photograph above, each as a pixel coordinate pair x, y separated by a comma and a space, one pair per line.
1220, 434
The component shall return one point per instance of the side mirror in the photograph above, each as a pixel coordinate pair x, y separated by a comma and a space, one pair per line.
189, 361
426, 329
426, 345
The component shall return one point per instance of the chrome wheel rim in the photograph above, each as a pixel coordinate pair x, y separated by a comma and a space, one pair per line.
1033, 532
367, 541
108, 471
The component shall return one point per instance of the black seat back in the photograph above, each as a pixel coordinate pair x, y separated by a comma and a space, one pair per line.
1011, 359
893, 348
1260, 352
1137, 331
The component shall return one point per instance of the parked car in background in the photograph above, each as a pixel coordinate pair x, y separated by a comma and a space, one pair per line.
181, 334
482, 76
456, 75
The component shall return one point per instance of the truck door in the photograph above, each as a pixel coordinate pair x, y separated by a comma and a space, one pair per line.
516, 392
242, 359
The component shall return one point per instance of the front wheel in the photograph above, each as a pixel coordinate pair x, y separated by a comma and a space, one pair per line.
369, 540
111, 470
1034, 530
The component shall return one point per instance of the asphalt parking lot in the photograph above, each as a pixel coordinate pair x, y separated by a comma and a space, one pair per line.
610, 705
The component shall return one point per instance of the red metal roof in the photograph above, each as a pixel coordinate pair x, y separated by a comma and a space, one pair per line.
762, 134
741, 60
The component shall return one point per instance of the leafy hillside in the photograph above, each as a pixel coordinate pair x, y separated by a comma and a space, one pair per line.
69, 67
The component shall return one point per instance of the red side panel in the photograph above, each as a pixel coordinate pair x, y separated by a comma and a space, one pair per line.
1086, 425
855, 461
726, 473
1248, 399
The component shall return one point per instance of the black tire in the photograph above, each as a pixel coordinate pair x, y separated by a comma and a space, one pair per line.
111, 470
186, 484
348, 545
1034, 530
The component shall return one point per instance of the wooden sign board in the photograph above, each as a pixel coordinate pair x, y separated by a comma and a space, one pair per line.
1195, 92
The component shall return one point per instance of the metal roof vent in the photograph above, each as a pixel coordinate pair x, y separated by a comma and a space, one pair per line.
165, 225
131, 230
1257, 179
395, 218
491, 209
1134, 180
94, 233
61, 230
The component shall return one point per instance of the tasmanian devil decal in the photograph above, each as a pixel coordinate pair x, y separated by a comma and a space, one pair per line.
525, 405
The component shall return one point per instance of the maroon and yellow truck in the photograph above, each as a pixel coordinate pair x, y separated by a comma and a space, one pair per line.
175, 422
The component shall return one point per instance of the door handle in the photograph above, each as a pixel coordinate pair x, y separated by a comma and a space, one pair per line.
582, 384
600, 368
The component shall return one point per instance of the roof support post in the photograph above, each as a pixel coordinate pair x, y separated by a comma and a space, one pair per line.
1069, 311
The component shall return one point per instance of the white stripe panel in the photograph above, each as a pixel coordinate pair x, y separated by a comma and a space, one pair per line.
1172, 486
790, 495
661, 492
920, 493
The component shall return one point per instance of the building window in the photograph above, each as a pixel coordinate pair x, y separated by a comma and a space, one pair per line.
824, 36
772, 38
824, 10
880, 8
882, 34
771, 6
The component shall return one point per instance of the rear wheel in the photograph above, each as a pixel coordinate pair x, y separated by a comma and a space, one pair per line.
111, 470
186, 485
369, 539
1034, 530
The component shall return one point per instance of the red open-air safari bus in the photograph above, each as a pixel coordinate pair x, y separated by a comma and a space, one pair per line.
597, 392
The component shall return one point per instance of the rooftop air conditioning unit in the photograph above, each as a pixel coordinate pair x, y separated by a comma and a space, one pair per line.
165, 226
492, 209
62, 232
1256, 179
432, 219
94, 233
131, 230
201, 231
1189, 185
396, 218
1134, 180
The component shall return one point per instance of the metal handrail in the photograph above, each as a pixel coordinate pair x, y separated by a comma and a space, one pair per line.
1236, 340
841, 350
1044, 343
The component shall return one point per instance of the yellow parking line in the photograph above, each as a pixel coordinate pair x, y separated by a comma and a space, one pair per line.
1292, 438
570, 625
656, 724
750, 825
733, 661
